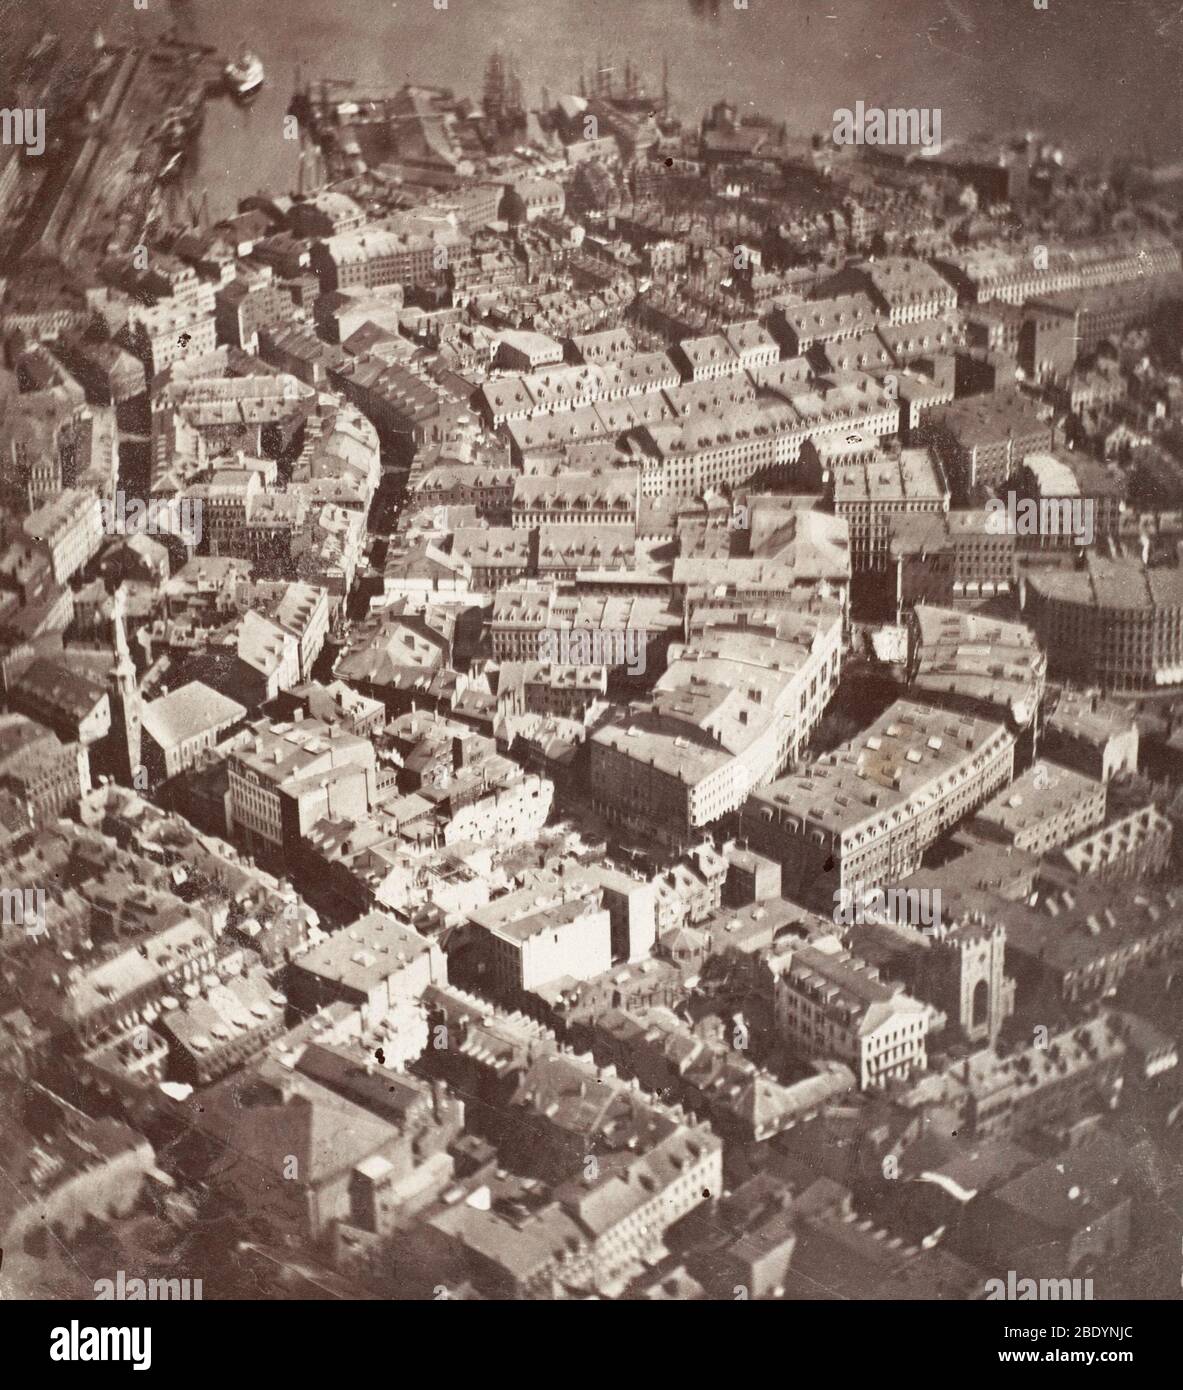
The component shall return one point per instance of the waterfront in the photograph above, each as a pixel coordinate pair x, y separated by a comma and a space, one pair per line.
985, 63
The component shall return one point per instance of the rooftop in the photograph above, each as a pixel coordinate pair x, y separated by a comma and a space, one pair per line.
907, 754
187, 713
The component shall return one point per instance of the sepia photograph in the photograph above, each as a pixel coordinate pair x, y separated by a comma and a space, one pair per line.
591, 667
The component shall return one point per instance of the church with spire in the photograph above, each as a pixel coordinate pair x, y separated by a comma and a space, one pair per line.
127, 708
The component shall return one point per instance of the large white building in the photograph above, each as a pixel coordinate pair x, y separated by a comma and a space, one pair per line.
534, 937
735, 706
71, 528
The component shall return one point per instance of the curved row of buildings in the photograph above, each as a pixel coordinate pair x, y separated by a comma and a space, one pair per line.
1116, 622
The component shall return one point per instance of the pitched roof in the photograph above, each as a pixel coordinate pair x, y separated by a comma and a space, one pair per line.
185, 713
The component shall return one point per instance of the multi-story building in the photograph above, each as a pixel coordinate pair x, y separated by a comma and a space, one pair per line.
325, 213
598, 1228
32, 602
864, 814
534, 624
867, 496
249, 303
908, 291
206, 591
74, 705
548, 689
268, 650
1078, 501
488, 489
1133, 846
562, 390
1100, 386
577, 499
995, 327
71, 527
753, 344
297, 349
708, 358
1054, 1084
979, 664
301, 611
483, 808
755, 441
797, 555
374, 965
494, 557
955, 557
565, 552
167, 278
374, 256
34, 444
831, 1004
1092, 735
1115, 623
1019, 276
341, 314
981, 441
197, 419
822, 458
1055, 1219
736, 706
608, 345
820, 321
329, 548
1074, 1073
289, 255
161, 334
223, 1028
760, 440
399, 401
48, 776
109, 374
626, 1213
338, 704
738, 348
1062, 328
473, 204
1048, 806
1079, 939
119, 992
529, 199
290, 775
533, 937
519, 350
928, 383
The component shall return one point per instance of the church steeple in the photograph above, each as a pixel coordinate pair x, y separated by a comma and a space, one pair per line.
127, 692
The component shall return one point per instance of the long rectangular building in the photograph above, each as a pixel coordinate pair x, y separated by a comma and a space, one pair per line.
865, 813
734, 707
